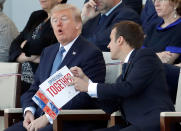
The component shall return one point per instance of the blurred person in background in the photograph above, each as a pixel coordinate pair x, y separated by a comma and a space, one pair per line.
149, 16
37, 35
8, 32
134, 4
99, 16
164, 38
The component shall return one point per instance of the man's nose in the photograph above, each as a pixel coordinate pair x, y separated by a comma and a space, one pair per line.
59, 23
108, 46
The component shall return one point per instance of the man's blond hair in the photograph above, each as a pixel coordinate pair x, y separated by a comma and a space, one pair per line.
75, 11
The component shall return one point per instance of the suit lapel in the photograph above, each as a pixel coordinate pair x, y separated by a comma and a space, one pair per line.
52, 55
71, 53
130, 62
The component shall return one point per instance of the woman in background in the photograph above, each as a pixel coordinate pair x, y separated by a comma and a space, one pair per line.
37, 35
164, 38
149, 15
8, 32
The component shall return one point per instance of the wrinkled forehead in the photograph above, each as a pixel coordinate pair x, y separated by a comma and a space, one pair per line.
62, 13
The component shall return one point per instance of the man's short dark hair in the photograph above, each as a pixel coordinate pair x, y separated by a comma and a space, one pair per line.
131, 32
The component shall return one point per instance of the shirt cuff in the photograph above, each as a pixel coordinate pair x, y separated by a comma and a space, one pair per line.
31, 108
49, 118
92, 89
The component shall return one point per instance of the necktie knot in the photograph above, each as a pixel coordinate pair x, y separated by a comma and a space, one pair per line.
58, 60
62, 50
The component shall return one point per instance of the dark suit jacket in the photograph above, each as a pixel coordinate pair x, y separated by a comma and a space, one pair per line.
87, 56
134, 4
100, 34
142, 94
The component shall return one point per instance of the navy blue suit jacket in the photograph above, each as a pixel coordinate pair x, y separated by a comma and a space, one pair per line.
100, 34
141, 94
86, 55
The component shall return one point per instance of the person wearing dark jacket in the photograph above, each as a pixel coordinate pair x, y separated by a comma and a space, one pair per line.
134, 4
71, 50
140, 92
99, 17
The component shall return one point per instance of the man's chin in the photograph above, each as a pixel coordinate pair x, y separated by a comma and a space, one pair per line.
113, 58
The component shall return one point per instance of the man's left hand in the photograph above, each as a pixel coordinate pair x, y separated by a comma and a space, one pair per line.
38, 123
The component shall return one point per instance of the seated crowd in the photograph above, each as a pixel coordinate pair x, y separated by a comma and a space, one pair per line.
146, 40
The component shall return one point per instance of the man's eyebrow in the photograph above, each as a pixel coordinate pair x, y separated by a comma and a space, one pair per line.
64, 16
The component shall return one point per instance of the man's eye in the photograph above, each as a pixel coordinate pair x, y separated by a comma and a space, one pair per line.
54, 20
64, 18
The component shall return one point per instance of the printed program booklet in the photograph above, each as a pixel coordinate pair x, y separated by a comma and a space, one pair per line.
54, 92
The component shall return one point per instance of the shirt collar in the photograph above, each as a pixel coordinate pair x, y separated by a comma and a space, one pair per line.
69, 45
111, 10
128, 56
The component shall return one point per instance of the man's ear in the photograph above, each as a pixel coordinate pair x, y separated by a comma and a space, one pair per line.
78, 26
120, 40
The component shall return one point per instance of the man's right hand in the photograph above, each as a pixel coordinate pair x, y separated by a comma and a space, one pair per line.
28, 118
89, 11
77, 72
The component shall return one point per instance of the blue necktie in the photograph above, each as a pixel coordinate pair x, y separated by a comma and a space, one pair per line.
102, 19
58, 60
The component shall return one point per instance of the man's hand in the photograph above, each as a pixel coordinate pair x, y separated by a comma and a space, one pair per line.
89, 11
39, 123
77, 72
80, 80
80, 84
28, 119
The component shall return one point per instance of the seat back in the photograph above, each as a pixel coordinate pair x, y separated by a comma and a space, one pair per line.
9, 87
113, 68
178, 98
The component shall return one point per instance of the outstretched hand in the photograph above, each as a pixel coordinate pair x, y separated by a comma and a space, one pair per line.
80, 81
77, 72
